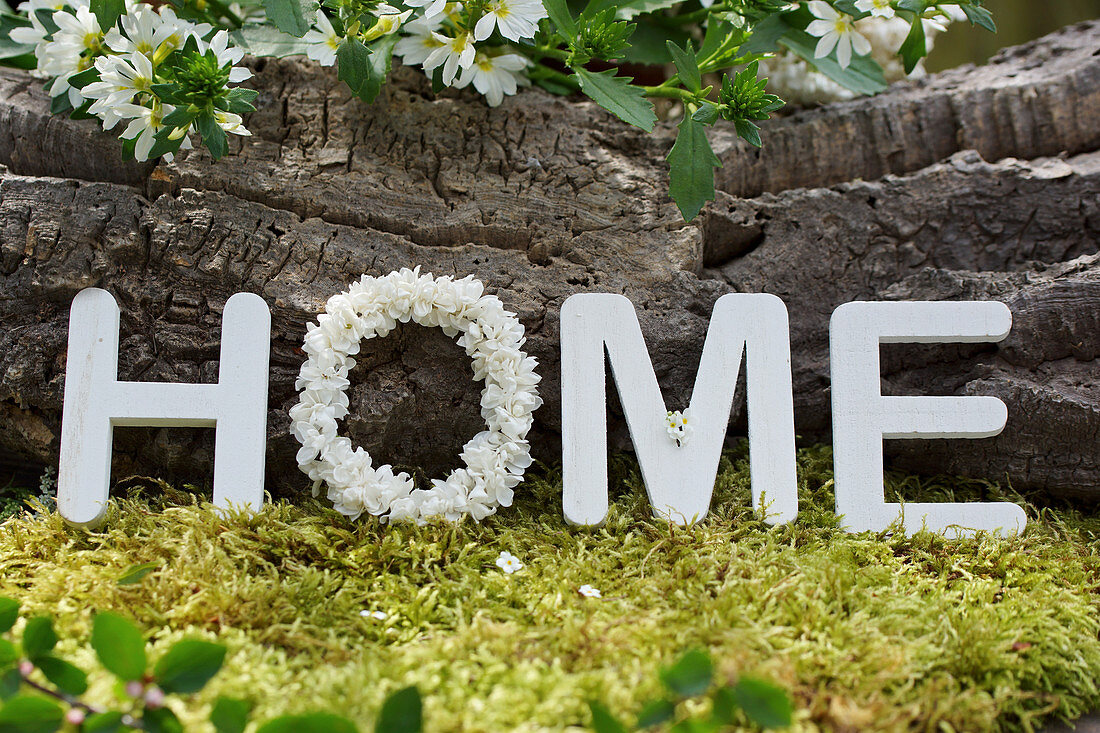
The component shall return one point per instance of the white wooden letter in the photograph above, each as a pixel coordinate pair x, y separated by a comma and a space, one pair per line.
678, 480
96, 401
862, 417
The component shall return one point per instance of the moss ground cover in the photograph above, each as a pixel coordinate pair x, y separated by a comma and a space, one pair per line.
865, 631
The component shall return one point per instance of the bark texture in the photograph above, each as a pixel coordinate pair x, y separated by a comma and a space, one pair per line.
975, 183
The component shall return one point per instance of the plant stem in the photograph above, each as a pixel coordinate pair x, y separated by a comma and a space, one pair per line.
669, 93
127, 720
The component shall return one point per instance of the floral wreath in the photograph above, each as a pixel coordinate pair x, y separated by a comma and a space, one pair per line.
494, 459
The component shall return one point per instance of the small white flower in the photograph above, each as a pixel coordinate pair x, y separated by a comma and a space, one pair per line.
120, 78
416, 48
144, 125
376, 615
589, 592
515, 19
322, 40
453, 55
877, 8
389, 20
495, 76
231, 123
508, 562
228, 55
679, 427
835, 30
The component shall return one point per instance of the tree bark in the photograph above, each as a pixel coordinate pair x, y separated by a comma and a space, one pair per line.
544, 197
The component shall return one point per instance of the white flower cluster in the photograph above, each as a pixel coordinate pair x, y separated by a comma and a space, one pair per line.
127, 57
445, 36
494, 459
881, 35
679, 427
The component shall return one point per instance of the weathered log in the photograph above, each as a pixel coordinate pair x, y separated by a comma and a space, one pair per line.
544, 197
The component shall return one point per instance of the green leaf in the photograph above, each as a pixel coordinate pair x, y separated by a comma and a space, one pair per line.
862, 76
10, 682
119, 646
110, 722
766, 704
687, 66
647, 44
293, 17
39, 637
913, 6
239, 101
9, 49
262, 39
723, 706
691, 674
8, 653
213, 136
169, 93
656, 712
84, 78
67, 677
691, 165
747, 130
980, 16
914, 48
707, 113
188, 666
107, 12
136, 573
558, 10
161, 720
30, 714
60, 105
617, 95
230, 715
9, 613
309, 723
365, 69
402, 712
603, 720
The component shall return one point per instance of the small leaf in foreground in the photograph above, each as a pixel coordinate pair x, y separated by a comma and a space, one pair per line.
656, 712
109, 722
67, 677
188, 666
402, 712
766, 704
119, 646
230, 715
161, 720
39, 637
603, 720
30, 714
9, 613
690, 675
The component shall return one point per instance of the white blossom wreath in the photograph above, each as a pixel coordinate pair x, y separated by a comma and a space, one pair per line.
495, 458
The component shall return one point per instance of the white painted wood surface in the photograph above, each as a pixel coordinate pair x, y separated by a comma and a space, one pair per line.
96, 401
678, 480
862, 417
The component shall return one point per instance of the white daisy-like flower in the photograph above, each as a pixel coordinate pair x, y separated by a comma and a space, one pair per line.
495, 76
376, 615
836, 31
227, 56
144, 30
323, 41
146, 122
589, 592
453, 54
120, 78
417, 47
509, 563
79, 30
679, 427
515, 19
877, 8
231, 123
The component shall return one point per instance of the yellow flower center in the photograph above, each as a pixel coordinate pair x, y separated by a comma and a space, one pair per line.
841, 26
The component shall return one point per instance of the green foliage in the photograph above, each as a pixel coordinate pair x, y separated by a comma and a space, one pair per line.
292, 17
136, 573
364, 68
185, 669
119, 646
617, 95
691, 165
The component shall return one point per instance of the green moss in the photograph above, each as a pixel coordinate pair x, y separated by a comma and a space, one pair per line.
865, 631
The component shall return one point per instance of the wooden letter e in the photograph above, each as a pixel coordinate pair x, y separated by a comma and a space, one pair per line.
678, 479
95, 402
